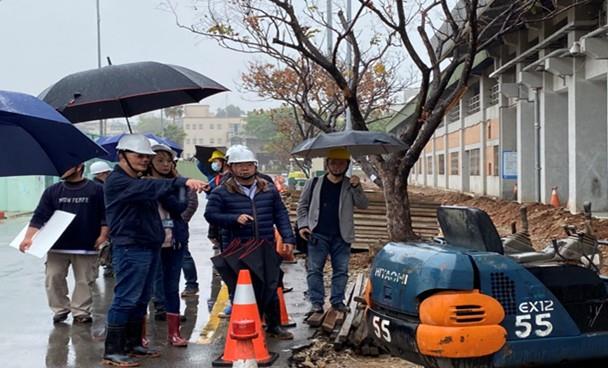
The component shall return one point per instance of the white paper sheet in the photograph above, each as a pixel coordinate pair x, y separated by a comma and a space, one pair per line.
48, 235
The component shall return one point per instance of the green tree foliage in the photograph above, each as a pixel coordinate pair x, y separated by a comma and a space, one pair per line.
174, 133
231, 111
153, 124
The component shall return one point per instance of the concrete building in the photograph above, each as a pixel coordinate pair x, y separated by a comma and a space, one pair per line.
534, 117
204, 128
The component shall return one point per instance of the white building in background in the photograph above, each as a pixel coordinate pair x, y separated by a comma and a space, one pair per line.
534, 117
203, 128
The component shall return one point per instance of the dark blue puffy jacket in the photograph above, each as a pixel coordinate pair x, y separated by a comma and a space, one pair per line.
132, 207
227, 202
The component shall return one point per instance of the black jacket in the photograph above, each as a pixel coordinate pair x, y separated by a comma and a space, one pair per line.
227, 202
132, 207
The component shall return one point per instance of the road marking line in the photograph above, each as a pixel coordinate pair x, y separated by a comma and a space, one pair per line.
214, 320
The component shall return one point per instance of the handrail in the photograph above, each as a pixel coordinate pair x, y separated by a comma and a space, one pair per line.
556, 35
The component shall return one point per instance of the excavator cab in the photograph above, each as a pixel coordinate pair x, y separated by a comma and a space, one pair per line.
467, 302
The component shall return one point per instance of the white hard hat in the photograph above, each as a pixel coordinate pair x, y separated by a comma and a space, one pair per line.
234, 148
163, 147
99, 167
137, 143
241, 154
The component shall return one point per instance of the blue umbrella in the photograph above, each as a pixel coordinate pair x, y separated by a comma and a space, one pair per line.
109, 144
37, 140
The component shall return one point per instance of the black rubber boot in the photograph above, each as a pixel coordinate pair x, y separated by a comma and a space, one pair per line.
115, 348
133, 344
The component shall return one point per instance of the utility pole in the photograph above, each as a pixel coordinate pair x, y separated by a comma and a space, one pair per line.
101, 122
349, 61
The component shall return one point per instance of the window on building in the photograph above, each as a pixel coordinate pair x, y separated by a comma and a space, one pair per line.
494, 97
187, 126
419, 164
235, 127
201, 141
201, 126
219, 141
211, 126
454, 114
454, 163
429, 165
441, 164
474, 162
211, 141
495, 156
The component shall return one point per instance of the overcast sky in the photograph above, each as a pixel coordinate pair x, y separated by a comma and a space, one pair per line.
44, 40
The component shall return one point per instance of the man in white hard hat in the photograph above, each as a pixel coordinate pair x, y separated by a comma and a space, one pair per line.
246, 207
100, 171
137, 233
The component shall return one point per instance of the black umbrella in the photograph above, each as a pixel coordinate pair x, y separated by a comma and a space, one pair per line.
264, 263
203, 153
357, 142
126, 90
228, 263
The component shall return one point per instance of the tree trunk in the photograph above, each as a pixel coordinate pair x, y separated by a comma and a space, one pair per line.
398, 216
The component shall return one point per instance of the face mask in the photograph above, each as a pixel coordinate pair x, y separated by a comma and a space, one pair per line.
216, 166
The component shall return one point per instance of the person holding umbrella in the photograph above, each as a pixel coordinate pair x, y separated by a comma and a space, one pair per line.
217, 163
246, 207
325, 219
137, 233
76, 247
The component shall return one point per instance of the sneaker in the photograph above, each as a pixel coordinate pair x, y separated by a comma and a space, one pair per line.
226, 312
279, 333
340, 307
60, 317
316, 308
188, 292
82, 319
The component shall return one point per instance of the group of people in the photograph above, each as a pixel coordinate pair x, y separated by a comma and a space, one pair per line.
142, 207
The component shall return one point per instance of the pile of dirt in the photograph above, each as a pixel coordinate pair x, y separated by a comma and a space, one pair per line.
321, 354
545, 222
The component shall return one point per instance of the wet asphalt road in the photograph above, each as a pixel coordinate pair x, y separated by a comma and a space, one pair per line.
28, 337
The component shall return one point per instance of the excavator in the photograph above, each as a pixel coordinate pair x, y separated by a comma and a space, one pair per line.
472, 299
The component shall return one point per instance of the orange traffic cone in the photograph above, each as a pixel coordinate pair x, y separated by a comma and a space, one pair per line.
244, 332
281, 248
554, 198
245, 308
285, 320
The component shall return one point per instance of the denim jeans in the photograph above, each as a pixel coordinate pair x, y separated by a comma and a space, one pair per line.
190, 271
319, 248
134, 270
166, 285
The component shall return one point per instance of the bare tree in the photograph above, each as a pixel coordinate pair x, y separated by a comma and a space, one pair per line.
440, 52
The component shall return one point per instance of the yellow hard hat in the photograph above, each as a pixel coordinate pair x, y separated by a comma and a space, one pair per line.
217, 154
339, 154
